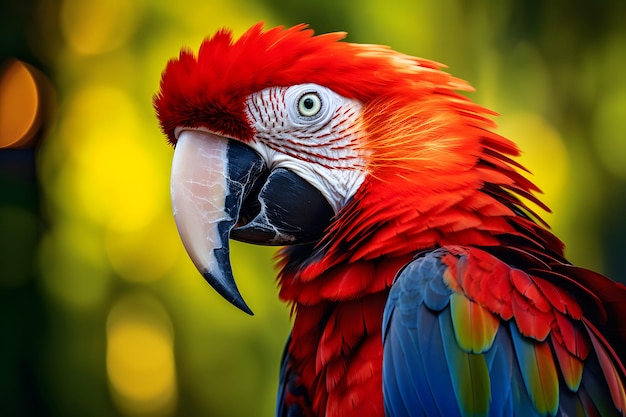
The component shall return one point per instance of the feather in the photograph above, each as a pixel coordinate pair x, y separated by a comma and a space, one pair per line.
468, 372
595, 398
499, 361
436, 368
401, 389
571, 366
615, 383
474, 326
572, 337
538, 372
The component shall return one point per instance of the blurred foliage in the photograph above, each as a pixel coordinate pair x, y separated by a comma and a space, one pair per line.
102, 313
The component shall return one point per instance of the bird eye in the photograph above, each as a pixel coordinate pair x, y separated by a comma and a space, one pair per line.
309, 105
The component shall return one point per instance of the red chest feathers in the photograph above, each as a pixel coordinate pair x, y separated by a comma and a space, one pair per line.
336, 342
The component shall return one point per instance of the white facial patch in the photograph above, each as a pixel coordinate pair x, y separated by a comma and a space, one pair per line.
312, 131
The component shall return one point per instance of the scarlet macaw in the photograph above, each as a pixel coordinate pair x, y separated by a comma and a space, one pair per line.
420, 282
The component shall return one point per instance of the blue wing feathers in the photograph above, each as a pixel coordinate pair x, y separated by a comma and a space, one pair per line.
522, 405
417, 371
423, 385
401, 399
464, 368
436, 368
500, 364
526, 356
426, 372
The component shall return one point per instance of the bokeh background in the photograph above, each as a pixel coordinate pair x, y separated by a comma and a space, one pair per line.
102, 313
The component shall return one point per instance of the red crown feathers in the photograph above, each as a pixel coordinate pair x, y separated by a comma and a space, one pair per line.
209, 89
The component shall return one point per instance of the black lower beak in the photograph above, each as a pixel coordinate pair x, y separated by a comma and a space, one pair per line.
288, 210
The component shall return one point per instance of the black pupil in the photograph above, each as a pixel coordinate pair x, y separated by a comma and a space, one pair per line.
308, 103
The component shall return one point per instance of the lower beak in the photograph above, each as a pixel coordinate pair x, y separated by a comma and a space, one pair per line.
221, 188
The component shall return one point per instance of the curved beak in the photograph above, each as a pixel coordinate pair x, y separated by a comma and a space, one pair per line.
206, 197
221, 188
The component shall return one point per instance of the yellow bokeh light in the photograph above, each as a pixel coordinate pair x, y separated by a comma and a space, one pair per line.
99, 26
140, 357
118, 184
146, 254
543, 153
118, 180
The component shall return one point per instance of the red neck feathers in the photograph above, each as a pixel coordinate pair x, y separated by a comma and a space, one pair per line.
437, 175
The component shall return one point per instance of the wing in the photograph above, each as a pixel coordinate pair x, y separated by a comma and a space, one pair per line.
468, 334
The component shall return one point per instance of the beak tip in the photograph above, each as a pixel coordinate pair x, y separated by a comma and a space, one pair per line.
243, 307
228, 291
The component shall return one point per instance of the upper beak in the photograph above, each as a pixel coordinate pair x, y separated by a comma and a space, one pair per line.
222, 188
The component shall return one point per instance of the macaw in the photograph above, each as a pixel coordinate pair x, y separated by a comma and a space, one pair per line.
420, 282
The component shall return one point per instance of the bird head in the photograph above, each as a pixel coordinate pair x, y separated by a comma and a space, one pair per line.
286, 138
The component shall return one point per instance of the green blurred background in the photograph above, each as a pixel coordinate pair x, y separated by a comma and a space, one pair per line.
102, 313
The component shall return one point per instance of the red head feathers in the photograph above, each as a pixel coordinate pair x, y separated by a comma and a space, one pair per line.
209, 89
422, 135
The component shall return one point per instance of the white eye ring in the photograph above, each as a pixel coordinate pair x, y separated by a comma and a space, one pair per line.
309, 104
